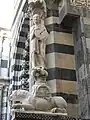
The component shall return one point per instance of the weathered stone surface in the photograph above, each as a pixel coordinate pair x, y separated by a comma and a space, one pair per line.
87, 31
40, 116
82, 64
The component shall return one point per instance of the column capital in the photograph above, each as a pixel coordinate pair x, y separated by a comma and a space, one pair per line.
37, 7
53, 1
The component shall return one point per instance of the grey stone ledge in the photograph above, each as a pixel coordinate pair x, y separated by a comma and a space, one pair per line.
36, 115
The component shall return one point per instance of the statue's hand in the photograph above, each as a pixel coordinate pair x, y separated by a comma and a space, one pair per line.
41, 33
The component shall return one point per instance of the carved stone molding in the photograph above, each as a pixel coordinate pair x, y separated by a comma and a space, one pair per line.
52, 1
40, 116
80, 3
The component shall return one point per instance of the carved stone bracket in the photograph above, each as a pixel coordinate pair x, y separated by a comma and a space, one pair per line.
80, 3
52, 1
37, 7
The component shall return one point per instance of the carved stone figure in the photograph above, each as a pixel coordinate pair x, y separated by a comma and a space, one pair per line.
38, 36
40, 99
20, 100
18, 94
43, 100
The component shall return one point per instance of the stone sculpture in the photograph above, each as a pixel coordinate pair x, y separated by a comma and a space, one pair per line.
40, 97
39, 100
20, 100
38, 36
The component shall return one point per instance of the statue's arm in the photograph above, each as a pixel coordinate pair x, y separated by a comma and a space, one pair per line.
32, 31
41, 32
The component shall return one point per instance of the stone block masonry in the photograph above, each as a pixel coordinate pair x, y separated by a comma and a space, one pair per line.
40, 116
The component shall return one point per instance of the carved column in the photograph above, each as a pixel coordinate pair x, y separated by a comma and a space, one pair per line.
38, 35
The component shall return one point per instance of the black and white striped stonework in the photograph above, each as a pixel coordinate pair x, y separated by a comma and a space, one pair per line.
61, 61
4, 84
17, 51
24, 78
4, 103
61, 67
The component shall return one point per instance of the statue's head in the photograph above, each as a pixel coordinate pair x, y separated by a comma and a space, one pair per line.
39, 73
41, 90
36, 19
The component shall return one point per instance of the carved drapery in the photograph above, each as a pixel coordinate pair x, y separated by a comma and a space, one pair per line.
80, 3
38, 33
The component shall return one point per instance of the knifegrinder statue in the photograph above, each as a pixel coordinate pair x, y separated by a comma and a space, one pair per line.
38, 37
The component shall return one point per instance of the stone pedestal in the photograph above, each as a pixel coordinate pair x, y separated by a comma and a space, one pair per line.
40, 116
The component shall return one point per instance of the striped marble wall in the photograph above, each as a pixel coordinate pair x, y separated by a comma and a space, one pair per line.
4, 103
17, 52
61, 61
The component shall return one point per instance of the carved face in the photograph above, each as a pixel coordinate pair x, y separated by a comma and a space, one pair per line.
43, 92
36, 19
